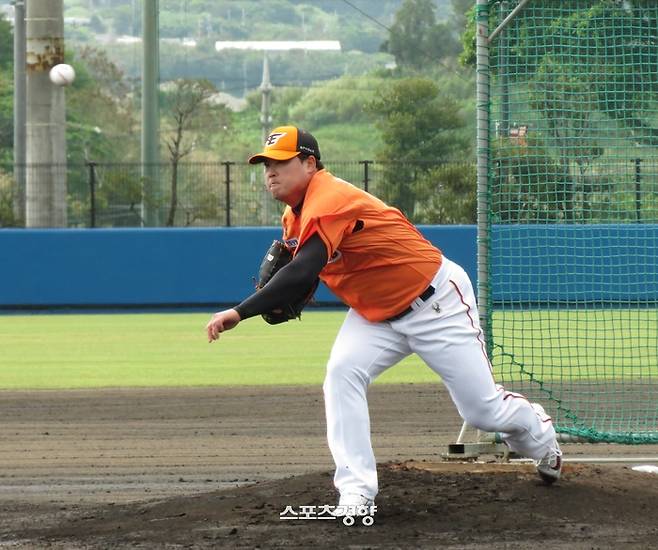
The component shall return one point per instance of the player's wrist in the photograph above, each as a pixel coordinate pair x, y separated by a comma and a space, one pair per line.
237, 312
240, 312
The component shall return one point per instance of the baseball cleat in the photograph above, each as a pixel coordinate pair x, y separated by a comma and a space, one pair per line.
353, 504
549, 468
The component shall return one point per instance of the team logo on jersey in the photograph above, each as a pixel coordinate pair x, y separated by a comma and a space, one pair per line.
273, 138
337, 255
292, 243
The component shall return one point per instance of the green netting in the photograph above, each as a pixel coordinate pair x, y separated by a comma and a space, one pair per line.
573, 212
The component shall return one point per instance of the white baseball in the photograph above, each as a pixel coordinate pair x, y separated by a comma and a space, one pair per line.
62, 74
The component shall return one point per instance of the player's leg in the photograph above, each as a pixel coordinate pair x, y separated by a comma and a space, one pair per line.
361, 352
448, 338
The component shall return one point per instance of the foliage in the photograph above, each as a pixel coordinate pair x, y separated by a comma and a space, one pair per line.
8, 216
102, 123
118, 197
416, 39
6, 43
527, 185
338, 101
190, 110
594, 38
591, 86
623, 89
418, 126
6, 91
6, 115
460, 13
447, 195
467, 55
568, 107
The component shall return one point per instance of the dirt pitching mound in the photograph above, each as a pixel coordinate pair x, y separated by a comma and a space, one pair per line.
419, 506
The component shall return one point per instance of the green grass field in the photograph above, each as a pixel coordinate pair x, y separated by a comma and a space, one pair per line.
131, 350
117, 350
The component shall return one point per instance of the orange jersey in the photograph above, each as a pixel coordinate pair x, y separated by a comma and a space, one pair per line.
378, 261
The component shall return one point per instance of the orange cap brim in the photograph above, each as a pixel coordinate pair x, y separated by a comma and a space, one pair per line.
273, 155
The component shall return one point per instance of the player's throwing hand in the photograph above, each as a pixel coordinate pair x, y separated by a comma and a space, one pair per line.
220, 322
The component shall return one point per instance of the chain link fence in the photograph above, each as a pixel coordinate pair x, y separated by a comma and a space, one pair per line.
97, 194
184, 195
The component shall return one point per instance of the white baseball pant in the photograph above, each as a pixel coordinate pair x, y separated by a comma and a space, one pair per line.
445, 332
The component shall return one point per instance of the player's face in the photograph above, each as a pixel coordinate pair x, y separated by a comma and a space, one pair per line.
287, 180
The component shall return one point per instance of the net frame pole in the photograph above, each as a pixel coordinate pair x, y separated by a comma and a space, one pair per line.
458, 449
507, 20
482, 151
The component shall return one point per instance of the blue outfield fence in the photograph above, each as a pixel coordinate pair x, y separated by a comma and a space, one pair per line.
575, 265
203, 267
135, 268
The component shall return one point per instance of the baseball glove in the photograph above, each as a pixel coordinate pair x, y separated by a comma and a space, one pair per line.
277, 257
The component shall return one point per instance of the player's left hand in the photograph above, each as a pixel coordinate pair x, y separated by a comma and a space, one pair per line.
220, 322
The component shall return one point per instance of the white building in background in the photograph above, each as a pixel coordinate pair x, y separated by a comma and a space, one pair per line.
279, 45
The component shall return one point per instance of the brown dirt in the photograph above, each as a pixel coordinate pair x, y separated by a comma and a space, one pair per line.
215, 468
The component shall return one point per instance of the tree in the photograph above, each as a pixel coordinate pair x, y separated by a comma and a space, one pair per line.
589, 72
568, 107
416, 39
596, 38
7, 214
6, 44
102, 124
460, 11
96, 24
447, 195
527, 186
6, 115
189, 110
419, 129
609, 47
6, 91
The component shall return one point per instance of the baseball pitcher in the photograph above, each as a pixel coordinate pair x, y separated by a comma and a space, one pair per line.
404, 297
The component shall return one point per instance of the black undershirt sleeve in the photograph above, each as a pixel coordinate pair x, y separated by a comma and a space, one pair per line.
289, 282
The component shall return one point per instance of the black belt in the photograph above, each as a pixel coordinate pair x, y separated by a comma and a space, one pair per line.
427, 293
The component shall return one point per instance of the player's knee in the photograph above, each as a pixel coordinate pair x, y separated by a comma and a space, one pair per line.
342, 375
482, 416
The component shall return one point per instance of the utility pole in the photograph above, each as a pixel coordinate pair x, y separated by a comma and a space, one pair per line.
19, 109
45, 181
150, 114
266, 124
265, 90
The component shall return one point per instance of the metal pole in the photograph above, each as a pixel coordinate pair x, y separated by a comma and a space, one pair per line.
45, 131
265, 90
227, 181
482, 152
266, 122
19, 109
366, 175
507, 20
482, 145
638, 190
92, 194
150, 114
503, 77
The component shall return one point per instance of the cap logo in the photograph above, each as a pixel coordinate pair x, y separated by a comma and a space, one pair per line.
273, 138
